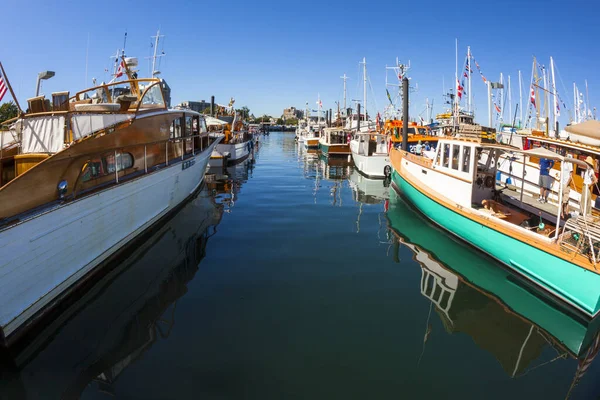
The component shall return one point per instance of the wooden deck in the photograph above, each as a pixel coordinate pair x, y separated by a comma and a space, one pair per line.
530, 204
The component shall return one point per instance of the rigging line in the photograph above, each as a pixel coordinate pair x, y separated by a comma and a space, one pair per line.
373, 93
564, 88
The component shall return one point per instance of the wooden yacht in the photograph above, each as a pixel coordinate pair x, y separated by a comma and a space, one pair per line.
92, 171
335, 142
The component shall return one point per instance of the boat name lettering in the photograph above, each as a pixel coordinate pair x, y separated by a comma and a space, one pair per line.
187, 164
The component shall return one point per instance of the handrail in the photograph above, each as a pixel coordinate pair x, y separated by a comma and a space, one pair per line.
107, 85
141, 97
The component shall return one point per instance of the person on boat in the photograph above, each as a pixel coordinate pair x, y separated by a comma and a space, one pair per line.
545, 181
566, 179
589, 179
427, 146
419, 149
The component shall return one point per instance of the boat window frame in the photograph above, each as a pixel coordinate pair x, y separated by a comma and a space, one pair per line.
466, 164
455, 158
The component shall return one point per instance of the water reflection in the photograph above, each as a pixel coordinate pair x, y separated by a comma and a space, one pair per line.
226, 183
472, 294
114, 323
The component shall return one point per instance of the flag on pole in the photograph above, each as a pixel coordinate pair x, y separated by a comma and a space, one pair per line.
121, 69
3, 87
497, 108
532, 96
388, 96
459, 89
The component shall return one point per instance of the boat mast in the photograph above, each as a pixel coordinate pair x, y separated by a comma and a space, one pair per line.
364, 62
501, 98
520, 102
469, 72
509, 101
536, 79
154, 72
545, 78
456, 98
575, 104
587, 95
555, 113
344, 78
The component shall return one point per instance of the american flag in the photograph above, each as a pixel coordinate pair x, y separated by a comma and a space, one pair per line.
3, 87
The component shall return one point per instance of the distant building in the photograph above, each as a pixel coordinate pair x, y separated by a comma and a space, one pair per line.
198, 106
292, 112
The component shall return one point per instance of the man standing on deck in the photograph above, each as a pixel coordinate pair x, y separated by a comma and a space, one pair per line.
566, 178
545, 179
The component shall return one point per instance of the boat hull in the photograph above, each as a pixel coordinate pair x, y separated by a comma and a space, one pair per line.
311, 143
334, 149
230, 154
371, 166
572, 284
47, 255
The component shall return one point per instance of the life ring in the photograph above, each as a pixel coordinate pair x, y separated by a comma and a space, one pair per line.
489, 181
387, 171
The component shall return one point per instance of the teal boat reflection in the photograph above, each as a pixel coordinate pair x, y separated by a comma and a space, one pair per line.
473, 294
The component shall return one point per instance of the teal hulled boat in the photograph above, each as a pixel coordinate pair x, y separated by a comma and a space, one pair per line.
456, 190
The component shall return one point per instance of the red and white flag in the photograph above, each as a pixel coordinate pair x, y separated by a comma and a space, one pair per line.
459, 89
121, 69
3, 87
533, 97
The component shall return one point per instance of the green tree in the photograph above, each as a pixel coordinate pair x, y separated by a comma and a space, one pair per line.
280, 121
8, 110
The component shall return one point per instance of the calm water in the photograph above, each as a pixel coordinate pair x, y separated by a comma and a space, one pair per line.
284, 280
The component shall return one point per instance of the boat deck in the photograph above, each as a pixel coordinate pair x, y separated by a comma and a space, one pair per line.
530, 204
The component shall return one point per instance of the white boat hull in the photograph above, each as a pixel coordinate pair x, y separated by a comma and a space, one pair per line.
372, 166
43, 257
234, 153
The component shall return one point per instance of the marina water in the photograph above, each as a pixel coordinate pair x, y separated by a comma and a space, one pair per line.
292, 276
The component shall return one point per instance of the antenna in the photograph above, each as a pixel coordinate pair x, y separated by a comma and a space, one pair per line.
125, 41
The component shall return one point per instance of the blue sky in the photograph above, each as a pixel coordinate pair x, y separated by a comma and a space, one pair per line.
271, 55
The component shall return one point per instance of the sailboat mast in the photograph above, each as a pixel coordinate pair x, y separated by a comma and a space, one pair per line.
587, 95
509, 99
501, 97
535, 79
555, 102
575, 107
520, 101
364, 87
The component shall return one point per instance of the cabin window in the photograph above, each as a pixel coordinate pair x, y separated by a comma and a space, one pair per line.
188, 126
466, 160
195, 125
176, 128
455, 155
422, 131
153, 96
446, 155
106, 165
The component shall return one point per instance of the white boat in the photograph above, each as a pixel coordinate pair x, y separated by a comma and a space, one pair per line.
236, 145
373, 162
89, 178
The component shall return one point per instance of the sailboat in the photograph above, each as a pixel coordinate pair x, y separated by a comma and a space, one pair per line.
93, 171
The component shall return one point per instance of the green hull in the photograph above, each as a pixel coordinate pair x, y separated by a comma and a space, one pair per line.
575, 285
492, 279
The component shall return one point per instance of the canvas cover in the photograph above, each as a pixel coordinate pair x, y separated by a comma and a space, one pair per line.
85, 124
43, 134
